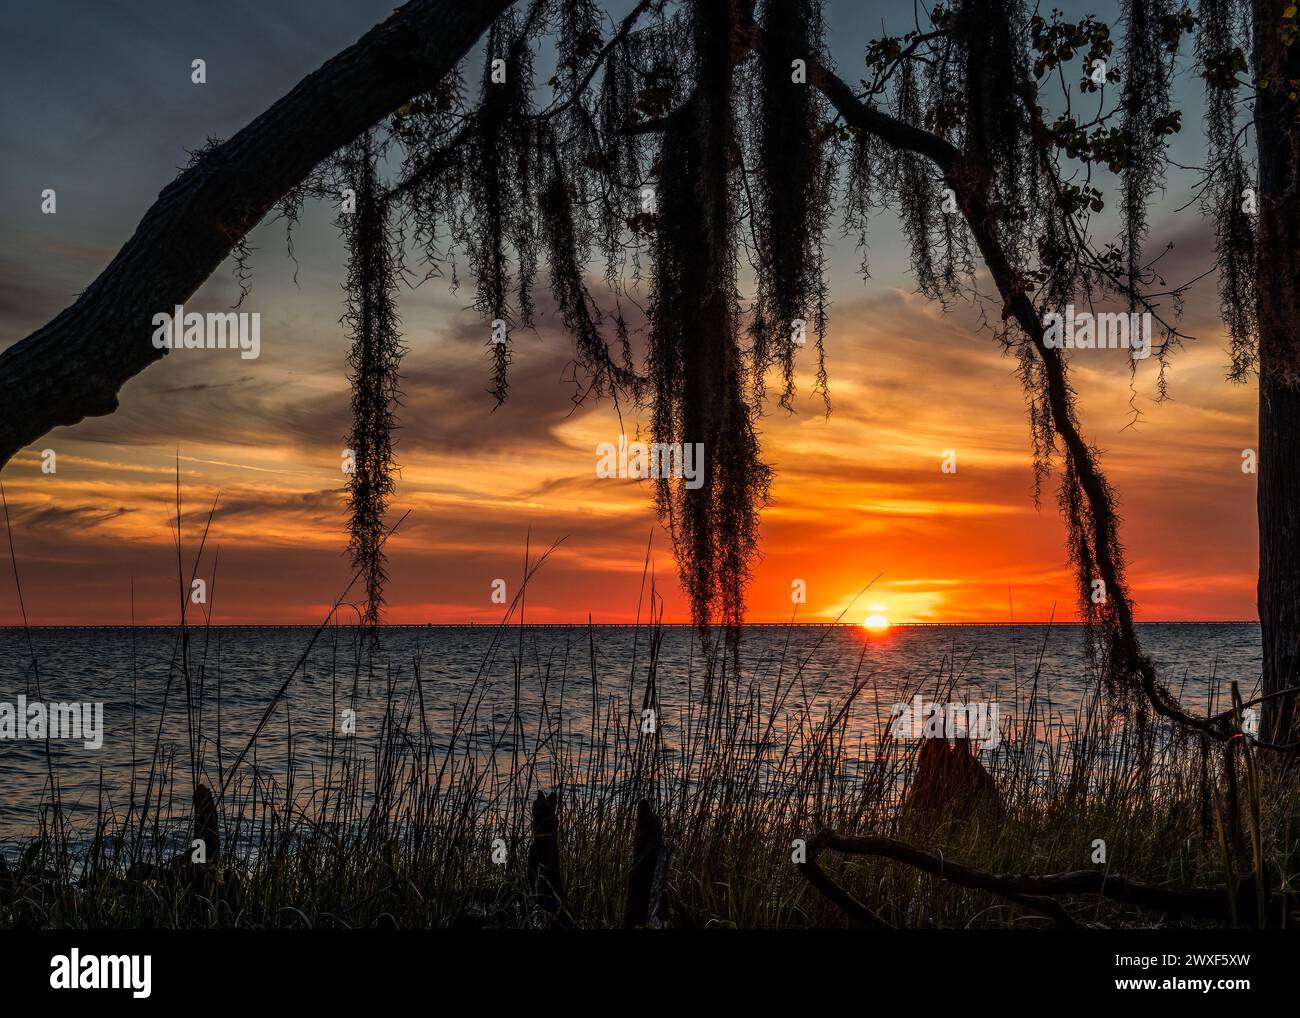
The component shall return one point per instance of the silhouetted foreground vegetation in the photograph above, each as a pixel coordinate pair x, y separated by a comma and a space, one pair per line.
694, 824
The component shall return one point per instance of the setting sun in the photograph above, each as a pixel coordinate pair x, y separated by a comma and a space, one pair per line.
876, 622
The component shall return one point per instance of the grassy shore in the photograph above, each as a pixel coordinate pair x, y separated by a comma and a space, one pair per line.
418, 831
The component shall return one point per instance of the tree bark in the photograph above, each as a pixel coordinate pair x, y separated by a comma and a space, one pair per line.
73, 367
1278, 282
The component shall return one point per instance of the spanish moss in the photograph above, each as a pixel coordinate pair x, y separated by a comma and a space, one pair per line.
1221, 41
1152, 33
696, 360
371, 319
791, 192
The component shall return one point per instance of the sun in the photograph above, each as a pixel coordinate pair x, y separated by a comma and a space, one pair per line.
876, 622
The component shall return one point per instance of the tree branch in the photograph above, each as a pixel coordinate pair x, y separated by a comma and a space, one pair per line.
965, 180
73, 367
1031, 889
624, 29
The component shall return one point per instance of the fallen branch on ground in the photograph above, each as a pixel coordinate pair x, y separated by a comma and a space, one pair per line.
1034, 890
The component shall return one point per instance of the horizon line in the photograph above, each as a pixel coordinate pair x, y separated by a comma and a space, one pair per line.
610, 625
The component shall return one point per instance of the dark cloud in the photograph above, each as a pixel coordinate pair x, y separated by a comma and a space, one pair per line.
70, 518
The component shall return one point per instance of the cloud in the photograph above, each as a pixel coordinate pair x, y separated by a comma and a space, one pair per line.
855, 494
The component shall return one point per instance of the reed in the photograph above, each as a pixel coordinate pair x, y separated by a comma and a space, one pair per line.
407, 829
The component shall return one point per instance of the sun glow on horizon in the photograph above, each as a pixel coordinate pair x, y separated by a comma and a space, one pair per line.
876, 622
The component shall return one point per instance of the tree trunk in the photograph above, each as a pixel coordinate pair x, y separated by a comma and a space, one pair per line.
73, 367
1278, 273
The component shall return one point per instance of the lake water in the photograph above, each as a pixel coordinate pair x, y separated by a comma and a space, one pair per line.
234, 674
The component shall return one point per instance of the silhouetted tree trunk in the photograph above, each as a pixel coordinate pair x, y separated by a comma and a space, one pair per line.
1279, 360
545, 877
73, 367
645, 883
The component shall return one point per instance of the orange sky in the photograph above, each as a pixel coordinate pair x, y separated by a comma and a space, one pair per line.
855, 495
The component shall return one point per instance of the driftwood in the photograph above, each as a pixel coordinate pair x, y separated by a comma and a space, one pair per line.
645, 885
191, 886
950, 781
545, 878
836, 892
1033, 891
207, 824
645, 904
182, 872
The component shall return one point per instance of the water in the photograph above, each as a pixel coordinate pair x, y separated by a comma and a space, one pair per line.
234, 675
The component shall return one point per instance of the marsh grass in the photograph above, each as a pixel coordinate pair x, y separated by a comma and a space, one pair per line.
399, 831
